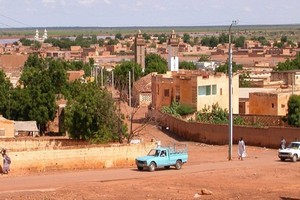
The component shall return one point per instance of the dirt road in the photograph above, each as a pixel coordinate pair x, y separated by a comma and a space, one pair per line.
260, 176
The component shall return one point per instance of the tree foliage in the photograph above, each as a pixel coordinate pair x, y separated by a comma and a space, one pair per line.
5, 94
293, 116
91, 116
187, 65
239, 41
213, 115
155, 63
293, 64
177, 110
224, 68
121, 73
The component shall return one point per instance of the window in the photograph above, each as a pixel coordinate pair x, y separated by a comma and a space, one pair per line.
220, 91
167, 92
214, 89
207, 90
272, 105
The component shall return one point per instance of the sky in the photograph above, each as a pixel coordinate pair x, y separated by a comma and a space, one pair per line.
124, 13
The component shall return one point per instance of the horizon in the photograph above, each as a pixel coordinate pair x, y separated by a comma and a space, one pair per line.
142, 13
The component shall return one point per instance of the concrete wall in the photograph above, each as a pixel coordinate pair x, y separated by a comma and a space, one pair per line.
78, 158
218, 134
33, 144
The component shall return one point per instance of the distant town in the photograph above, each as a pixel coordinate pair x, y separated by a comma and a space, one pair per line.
196, 66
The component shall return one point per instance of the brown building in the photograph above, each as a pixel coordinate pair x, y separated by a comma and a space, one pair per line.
269, 103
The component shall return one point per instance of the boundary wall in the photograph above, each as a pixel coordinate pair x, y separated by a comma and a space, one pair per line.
219, 133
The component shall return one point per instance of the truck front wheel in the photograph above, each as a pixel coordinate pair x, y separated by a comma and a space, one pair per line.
140, 168
152, 167
295, 158
178, 164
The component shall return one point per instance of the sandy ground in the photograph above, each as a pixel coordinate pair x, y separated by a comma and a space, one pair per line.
260, 176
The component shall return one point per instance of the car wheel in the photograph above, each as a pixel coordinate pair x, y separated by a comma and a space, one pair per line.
282, 159
178, 164
152, 167
140, 168
295, 158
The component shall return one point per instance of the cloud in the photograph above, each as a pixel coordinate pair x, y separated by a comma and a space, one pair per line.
45, 2
159, 7
107, 1
87, 2
247, 9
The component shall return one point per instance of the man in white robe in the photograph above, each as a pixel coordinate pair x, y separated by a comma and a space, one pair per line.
241, 149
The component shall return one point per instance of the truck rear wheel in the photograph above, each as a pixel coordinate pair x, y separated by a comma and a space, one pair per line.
152, 167
295, 158
178, 164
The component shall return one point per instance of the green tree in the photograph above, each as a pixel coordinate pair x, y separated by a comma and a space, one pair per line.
187, 65
293, 116
205, 41
213, 41
121, 73
26, 42
223, 38
224, 68
213, 115
283, 39
118, 36
5, 94
162, 38
155, 63
239, 42
289, 64
91, 116
186, 38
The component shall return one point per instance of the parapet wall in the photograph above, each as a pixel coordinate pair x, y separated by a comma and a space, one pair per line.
88, 157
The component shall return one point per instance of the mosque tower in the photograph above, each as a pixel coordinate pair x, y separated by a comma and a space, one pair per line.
36, 37
140, 50
173, 43
45, 36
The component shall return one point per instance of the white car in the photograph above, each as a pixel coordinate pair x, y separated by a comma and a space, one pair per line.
291, 152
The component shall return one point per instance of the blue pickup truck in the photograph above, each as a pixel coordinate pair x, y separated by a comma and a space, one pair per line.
163, 157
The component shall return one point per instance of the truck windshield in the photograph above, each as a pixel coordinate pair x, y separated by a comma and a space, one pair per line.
293, 145
153, 152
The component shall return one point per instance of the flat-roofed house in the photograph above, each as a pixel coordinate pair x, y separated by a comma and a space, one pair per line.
198, 89
6, 128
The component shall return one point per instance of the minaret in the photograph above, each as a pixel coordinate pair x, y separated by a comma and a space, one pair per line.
140, 50
36, 37
45, 36
173, 52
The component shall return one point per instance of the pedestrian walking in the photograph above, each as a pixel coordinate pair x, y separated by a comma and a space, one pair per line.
6, 162
282, 143
241, 149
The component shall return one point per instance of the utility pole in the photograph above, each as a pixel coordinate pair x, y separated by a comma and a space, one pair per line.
230, 126
129, 89
102, 77
112, 79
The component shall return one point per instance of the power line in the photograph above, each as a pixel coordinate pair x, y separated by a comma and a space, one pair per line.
15, 20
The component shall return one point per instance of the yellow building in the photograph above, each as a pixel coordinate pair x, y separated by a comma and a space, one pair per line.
6, 128
195, 88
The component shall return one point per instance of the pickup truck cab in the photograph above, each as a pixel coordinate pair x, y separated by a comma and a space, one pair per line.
291, 152
163, 157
